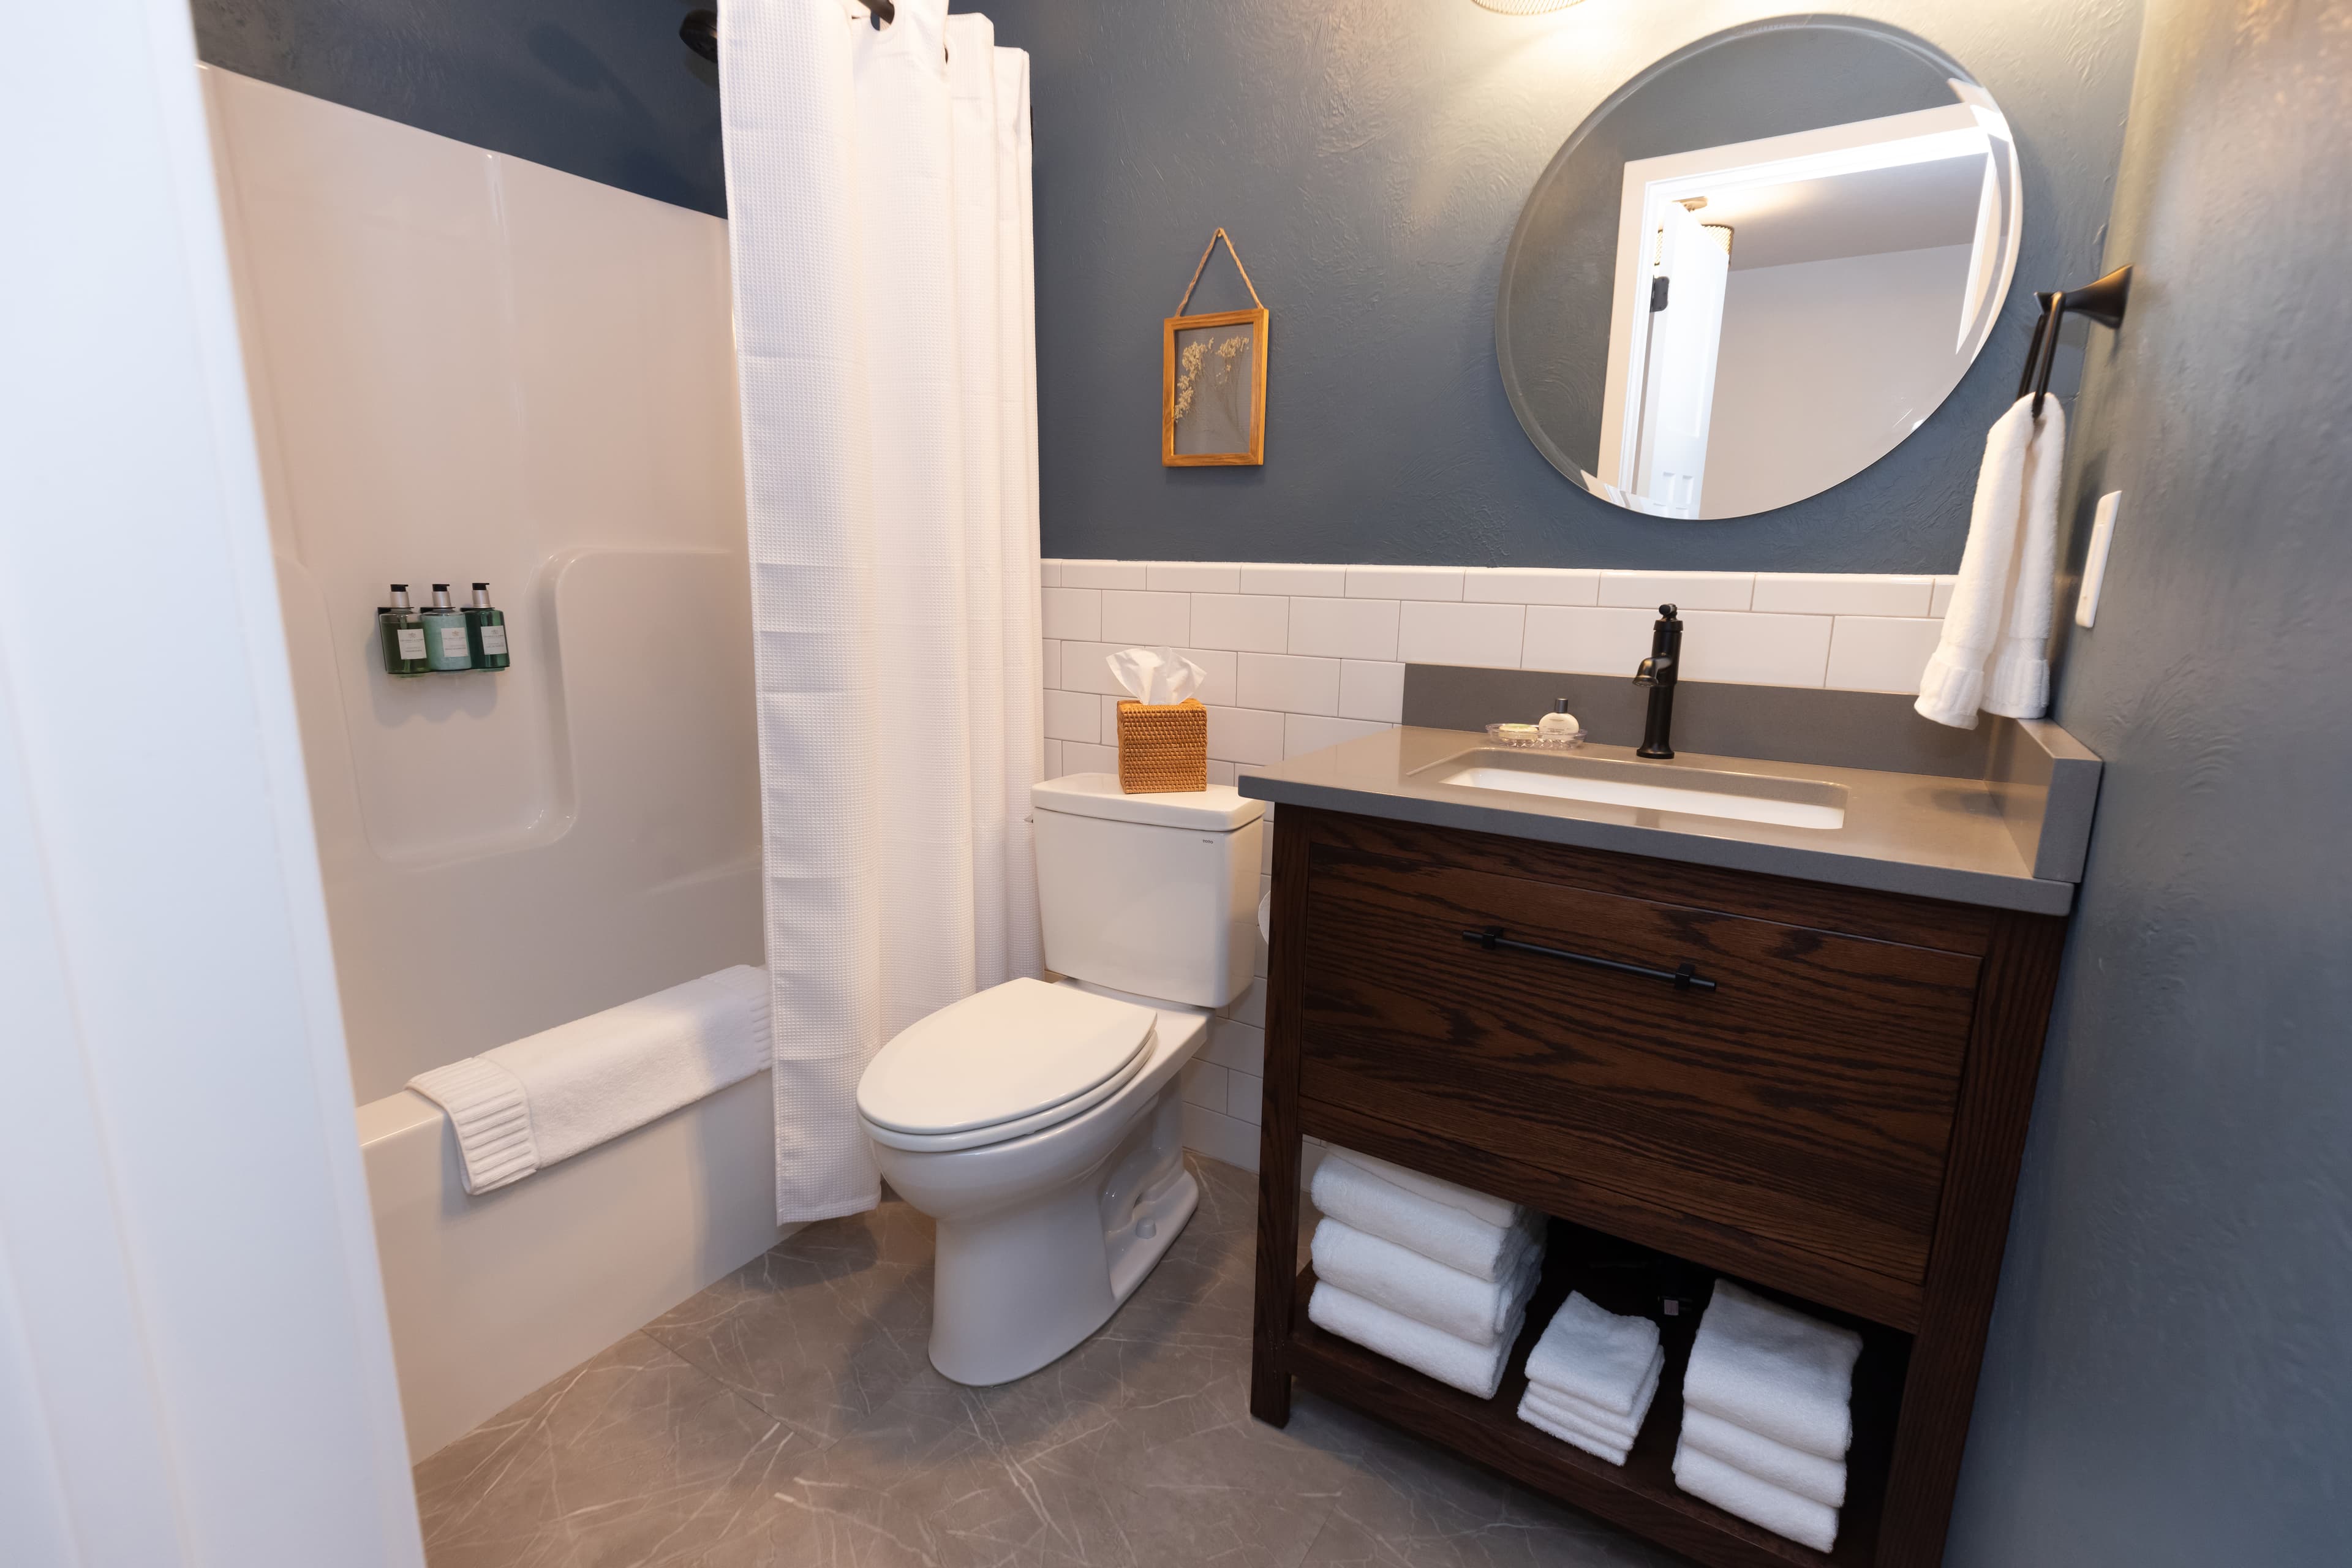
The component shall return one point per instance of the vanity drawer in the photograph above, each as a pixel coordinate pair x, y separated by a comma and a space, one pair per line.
1806, 1102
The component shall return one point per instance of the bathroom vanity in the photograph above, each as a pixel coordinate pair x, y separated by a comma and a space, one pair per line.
1768, 1020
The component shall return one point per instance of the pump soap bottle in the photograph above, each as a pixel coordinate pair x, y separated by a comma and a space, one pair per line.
488, 629
403, 635
445, 644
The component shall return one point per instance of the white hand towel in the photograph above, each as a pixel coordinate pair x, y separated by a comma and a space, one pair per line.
548, 1096
1494, 1211
1595, 1355
1474, 1369
1779, 1372
1572, 1429
1806, 1475
2018, 686
1734, 1490
1622, 1428
2002, 602
1354, 1197
1404, 1282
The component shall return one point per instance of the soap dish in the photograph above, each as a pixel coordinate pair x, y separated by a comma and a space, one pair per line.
1568, 743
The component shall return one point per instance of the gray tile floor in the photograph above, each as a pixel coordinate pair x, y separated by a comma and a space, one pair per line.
788, 1417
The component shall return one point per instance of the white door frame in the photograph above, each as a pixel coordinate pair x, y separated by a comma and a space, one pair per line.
194, 1364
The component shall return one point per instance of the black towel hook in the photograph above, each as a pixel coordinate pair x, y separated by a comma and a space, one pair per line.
699, 31
2103, 302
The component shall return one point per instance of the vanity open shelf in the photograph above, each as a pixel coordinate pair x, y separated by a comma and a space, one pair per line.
1837, 1121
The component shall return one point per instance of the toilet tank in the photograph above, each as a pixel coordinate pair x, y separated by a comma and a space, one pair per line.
1154, 894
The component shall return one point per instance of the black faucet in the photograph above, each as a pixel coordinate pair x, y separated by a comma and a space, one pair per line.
1659, 673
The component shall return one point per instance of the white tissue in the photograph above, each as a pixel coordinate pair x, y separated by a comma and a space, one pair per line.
1155, 675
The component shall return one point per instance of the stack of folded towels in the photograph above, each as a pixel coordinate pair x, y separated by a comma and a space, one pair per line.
1425, 1272
1591, 1378
1768, 1416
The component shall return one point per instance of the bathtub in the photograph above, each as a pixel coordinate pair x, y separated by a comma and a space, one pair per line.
492, 1296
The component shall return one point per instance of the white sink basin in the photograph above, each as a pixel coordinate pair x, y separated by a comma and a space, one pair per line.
1647, 786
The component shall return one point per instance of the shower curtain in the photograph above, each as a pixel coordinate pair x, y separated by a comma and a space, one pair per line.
878, 189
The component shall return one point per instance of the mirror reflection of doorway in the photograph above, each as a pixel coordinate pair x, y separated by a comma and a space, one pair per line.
1793, 307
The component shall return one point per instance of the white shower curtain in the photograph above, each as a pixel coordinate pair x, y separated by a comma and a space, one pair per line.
877, 188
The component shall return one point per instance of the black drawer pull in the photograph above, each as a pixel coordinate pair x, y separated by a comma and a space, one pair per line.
1684, 977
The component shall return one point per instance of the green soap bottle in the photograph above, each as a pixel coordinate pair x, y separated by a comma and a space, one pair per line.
403, 630
488, 629
446, 645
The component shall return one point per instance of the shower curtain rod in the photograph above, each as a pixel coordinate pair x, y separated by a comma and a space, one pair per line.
700, 28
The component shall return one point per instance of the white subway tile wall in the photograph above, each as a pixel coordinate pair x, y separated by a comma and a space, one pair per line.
1301, 657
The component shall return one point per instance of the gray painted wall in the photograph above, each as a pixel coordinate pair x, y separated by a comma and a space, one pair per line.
1371, 159
2169, 1380
601, 89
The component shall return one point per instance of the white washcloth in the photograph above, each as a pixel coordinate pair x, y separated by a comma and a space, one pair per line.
1474, 1369
1494, 1211
1354, 1197
1618, 1428
548, 1096
1778, 1373
1572, 1428
1734, 1490
1595, 1356
2000, 610
1806, 1475
1404, 1282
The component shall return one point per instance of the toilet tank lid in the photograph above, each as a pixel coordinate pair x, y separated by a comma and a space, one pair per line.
1010, 1051
1220, 808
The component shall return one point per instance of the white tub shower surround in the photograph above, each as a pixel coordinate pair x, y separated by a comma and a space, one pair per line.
1302, 657
878, 191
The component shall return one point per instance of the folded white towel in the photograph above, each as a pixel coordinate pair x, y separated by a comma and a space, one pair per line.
1778, 1373
1571, 1429
1806, 1475
1377, 1206
1404, 1282
1734, 1490
1623, 1429
1474, 1369
1494, 1211
1595, 1355
2000, 610
547, 1097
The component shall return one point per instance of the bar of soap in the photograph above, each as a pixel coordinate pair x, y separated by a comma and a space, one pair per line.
1517, 731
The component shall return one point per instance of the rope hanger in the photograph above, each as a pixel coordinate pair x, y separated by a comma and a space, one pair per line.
1205, 252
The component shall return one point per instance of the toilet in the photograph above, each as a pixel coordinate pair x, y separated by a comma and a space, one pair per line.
1040, 1125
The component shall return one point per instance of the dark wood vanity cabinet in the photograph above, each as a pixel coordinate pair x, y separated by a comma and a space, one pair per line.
1838, 1121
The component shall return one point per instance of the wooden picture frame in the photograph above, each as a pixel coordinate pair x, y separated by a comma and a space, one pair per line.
1212, 379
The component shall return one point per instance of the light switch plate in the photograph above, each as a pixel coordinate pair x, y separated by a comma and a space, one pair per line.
2094, 559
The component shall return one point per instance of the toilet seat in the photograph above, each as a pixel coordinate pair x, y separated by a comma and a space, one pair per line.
1007, 1061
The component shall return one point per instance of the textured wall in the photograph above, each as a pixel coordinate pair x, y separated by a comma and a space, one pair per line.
2170, 1380
1371, 159
601, 89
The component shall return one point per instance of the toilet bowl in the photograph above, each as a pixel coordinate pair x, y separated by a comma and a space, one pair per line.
1040, 1126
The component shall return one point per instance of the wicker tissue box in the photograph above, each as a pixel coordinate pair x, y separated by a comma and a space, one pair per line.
1162, 747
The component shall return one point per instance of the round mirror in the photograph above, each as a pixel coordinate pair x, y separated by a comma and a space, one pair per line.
1757, 268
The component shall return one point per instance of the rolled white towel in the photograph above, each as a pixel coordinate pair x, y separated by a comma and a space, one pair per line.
533, 1101
1734, 1490
1806, 1475
1625, 1427
1474, 1369
1404, 1282
1493, 1210
1776, 1372
1572, 1428
1377, 1206
1595, 1355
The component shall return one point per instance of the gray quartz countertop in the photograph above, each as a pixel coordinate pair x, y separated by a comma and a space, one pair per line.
2014, 841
